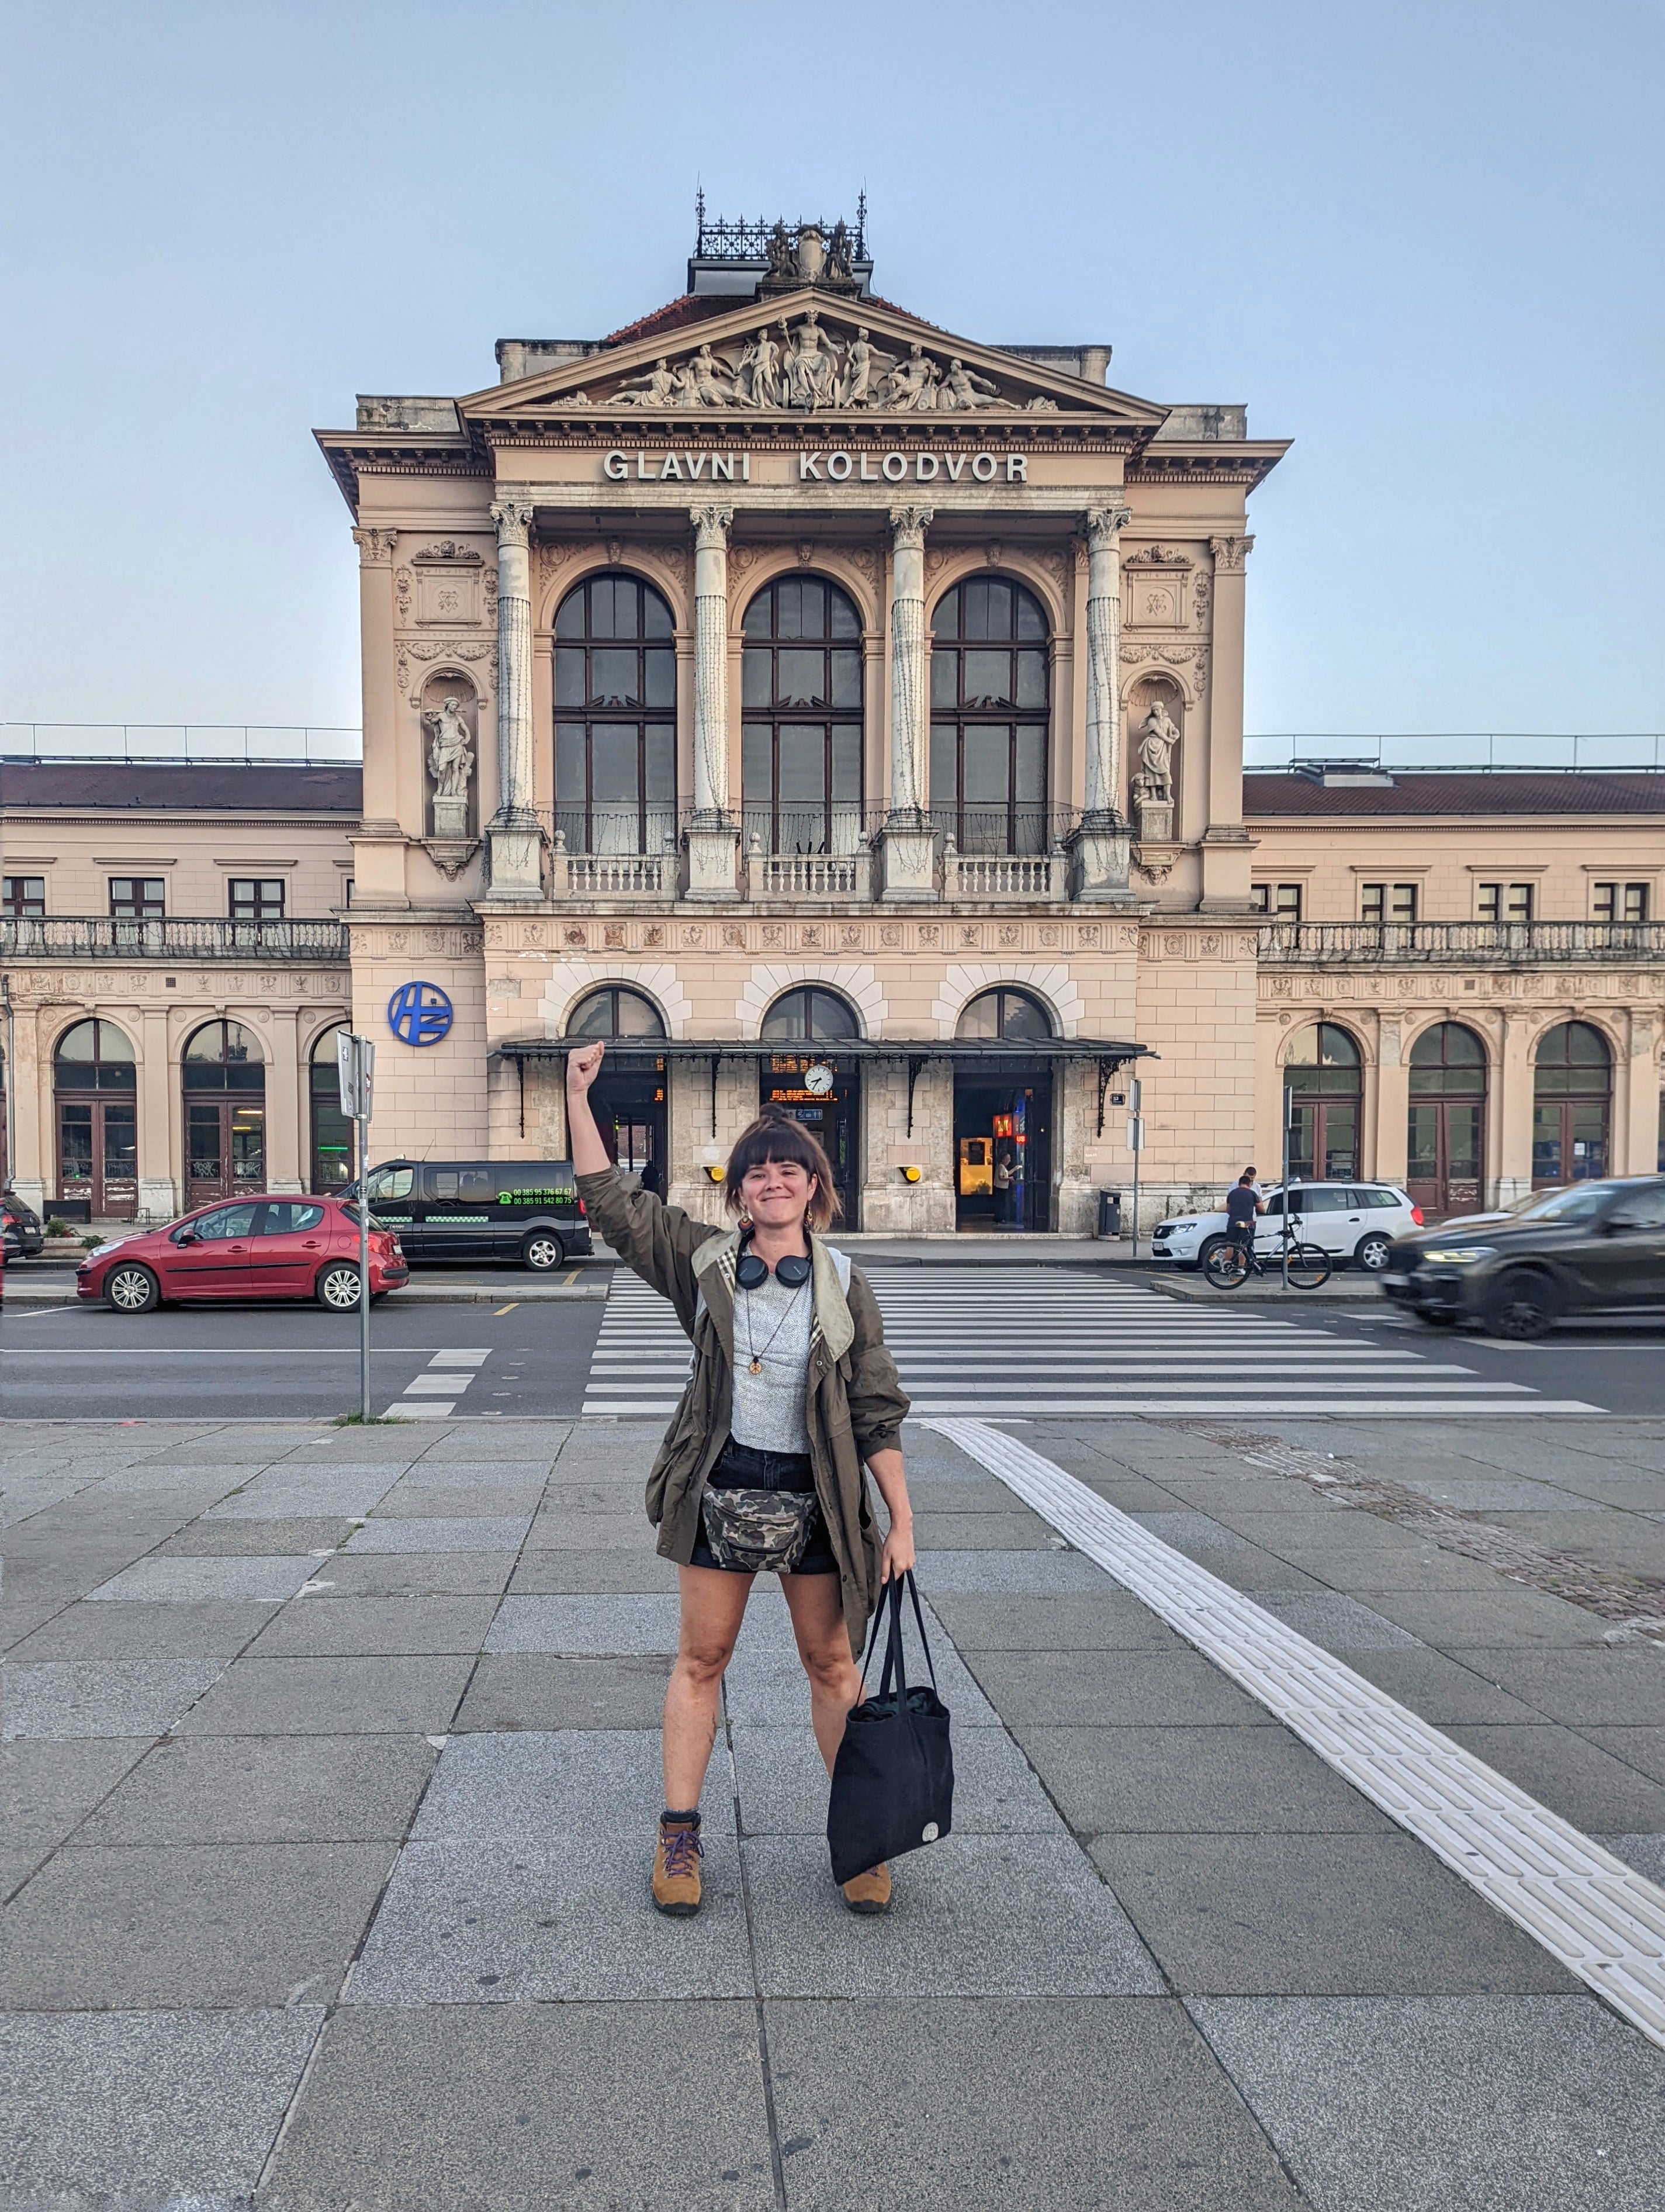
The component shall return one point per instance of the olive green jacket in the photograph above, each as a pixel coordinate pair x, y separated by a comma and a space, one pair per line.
853, 1407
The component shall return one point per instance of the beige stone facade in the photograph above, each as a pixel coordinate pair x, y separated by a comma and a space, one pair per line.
864, 705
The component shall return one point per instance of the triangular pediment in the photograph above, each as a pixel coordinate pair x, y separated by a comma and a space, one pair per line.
808, 354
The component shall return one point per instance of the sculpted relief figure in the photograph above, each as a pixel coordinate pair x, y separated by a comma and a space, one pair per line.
657, 389
864, 367
451, 756
802, 367
962, 390
912, 387
704, 382
759, 379
810, 364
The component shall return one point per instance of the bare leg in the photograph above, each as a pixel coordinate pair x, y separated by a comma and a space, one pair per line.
714, 1603
817, 1604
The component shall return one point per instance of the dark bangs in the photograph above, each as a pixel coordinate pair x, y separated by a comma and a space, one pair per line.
777, 1137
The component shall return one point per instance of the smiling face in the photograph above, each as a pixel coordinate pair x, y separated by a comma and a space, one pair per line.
776, 1193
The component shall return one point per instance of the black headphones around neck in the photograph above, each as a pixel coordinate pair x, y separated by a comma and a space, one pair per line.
751, 1274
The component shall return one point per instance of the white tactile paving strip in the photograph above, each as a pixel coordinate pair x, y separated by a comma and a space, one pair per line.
1603, 1920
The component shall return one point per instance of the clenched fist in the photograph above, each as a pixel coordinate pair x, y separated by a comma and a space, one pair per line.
582, 1069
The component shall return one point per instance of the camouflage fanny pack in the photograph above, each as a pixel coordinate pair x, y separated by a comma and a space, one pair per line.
758, 1532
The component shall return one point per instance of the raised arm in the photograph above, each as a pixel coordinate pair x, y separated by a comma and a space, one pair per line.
655, 1241
589, 1153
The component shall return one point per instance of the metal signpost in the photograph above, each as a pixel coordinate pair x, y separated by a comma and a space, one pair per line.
1135, 1145
356, 1059
1289, 1110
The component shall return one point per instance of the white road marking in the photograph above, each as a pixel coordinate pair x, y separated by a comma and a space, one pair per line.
1600, 1918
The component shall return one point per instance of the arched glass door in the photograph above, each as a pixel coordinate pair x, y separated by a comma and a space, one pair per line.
1003, 1116
225, 1114
628, 1098
1321, 1068
95, 1094
810, 1079
1571, 1105
1446, 1131
332, 1134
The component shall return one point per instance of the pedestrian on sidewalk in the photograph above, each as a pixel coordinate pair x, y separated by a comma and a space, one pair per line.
792, 1391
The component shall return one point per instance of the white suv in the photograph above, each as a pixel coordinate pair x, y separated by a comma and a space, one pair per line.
1354, 1222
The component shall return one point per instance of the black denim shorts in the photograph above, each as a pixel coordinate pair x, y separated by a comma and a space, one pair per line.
742, 1468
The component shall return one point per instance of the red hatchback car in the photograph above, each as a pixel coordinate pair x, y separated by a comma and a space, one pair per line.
255, 1247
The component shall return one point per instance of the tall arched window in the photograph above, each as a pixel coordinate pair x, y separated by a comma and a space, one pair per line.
615, 1010
332, 1162
95, 1091
989, 717
1571, 1099
801, 772
225, 1111
1446, 1132
1321, 1067
1004, 1013
615, 718
811, 1012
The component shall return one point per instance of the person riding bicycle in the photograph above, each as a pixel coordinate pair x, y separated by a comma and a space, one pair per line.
1243, 1203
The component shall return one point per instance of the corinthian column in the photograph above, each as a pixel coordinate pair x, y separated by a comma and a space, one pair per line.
516, 842
1225, 843
1100, 845
910, 673
713, 840
711, 528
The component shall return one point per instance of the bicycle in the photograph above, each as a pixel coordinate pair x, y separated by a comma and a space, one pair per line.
1230, 1264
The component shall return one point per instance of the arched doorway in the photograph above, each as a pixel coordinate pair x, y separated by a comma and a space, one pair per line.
1322, 1068
1003, 1116
332, 1133
225, 1114
817, 1084
1446, 1132
800, 773
1571, 1105
615, 717
95, 1093
990, 713
628, 1098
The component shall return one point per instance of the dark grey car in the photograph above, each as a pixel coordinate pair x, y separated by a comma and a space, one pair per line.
524, 1210
1594, 1248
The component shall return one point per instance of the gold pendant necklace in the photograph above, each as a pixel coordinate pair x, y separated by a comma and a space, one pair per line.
755, 1368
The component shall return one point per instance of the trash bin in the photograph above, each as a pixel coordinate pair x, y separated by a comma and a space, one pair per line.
1110, 1213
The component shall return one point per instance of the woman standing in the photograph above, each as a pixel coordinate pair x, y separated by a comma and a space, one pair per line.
792, 1391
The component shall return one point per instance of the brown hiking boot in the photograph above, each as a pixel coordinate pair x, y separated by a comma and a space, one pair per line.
870, 1892
677, 1869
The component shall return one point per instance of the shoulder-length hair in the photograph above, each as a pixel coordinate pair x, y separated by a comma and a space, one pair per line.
776, 1136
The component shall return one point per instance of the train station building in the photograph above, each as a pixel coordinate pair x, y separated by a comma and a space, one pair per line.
828, 708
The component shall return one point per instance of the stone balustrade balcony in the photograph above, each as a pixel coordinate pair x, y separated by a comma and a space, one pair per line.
108, 936
1459, 943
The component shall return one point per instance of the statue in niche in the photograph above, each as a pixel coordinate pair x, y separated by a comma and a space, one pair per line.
657, 389
1153, 779
962, 390
451, 763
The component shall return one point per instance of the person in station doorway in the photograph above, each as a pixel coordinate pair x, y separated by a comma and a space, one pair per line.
1242, 1202
793, 1390
650, 1176
1005, 1190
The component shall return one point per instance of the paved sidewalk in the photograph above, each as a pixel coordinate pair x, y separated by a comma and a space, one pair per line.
333, 1762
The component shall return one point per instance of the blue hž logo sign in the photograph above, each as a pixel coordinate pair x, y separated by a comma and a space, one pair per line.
419, 1013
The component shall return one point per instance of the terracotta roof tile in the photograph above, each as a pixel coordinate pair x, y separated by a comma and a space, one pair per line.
1582, 791
676, 315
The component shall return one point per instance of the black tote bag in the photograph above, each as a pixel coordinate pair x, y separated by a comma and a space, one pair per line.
893, 1780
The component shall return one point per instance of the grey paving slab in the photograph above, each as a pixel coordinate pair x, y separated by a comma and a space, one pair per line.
986, 1532
489, 1533
1111, 1621
139, 1629
176, 1581
1336, 1621
68, 1697
186, 1925
1456, 2103
503, 1501
48, 1788
557, 1530
1476, 1494
292, 1491
973, 1492
16, 1866
1329, 1915
1622, 1687
596, 1493
1457, 1620
456, 1473
256, 1790
1105, 1688
1181, 1781
1574, 1777
784, 1788
232, 1540
1134, 1493
1645, 1853
1443, 1690
450, 2109
1253, 1570
1019, 1572
476, 1444
1424, 1568
133, 2108
415, 1574
1630, 1490
1642, 1748
373, 1628
199, 1482
972, 1916
536, 1787
1191, 1532
1317, 1530
19, 1501
576, 1625
334, 1697
529, 1690
474, 1924
579, 1574
1113, 2103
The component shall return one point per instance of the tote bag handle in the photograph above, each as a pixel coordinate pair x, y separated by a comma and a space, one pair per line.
895, 1665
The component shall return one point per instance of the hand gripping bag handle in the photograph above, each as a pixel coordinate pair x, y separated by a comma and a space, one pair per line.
894, 1663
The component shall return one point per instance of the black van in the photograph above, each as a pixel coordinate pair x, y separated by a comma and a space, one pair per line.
524, 1210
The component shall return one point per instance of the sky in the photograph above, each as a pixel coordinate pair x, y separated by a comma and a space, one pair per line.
1420, 240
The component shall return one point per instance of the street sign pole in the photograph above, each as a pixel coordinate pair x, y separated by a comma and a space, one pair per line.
1136, 1146
355, 1058
1289, 1109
